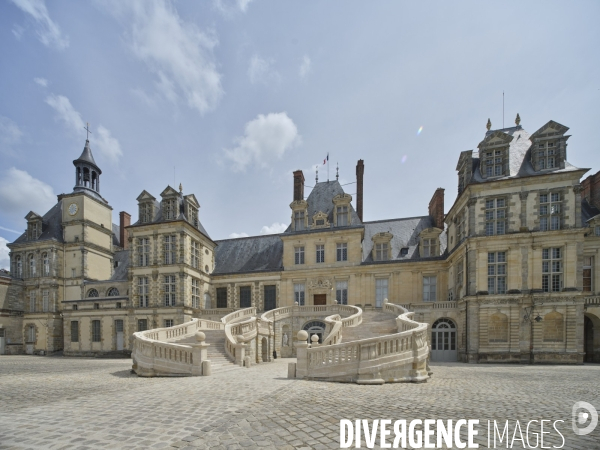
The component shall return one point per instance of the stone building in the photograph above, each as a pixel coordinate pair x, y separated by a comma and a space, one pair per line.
509, 274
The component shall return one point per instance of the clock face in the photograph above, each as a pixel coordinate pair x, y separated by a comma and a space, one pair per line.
73, 209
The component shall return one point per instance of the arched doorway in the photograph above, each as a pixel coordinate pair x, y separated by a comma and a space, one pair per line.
591, 338
315, 327
443, 340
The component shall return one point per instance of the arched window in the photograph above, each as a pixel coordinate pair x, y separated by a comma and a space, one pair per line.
92, 293
498, 328
18, 267
112, 292
315, 327
46, 264
553, 327
31, 266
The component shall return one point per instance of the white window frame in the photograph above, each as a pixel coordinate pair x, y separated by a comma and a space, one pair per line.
195, 293
143, 292
299, 294
341, 292
341, 251
299, 255
170, 290
32, 301
342, 216
169, 323
195, 254
429, 288
169, 248
144, 251
381, 291
46, 264
320, 253
495, 216
550, 211
497, 272
170, 209
298, 220
552, 269
45, 300
429, 247
382, 251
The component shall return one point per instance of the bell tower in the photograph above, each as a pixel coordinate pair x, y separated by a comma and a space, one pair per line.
87, 172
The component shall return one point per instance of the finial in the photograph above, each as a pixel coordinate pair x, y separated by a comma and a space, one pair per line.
337, 171
317, 177
180, 188
489, 124
518, 119
87, 128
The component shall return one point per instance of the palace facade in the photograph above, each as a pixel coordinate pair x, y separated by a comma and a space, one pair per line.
509, 273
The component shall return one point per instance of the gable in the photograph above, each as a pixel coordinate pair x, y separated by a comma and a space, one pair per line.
169, 192
551, 128
32, 216
192, 199
145, 196
497, 138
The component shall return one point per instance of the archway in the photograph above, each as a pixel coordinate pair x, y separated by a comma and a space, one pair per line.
591, 338
443, 340
315, 327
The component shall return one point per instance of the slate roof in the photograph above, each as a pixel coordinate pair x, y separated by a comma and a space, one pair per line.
122, 258
116, 229
249, 254
587, 212
87, 157
405, 235
51, 226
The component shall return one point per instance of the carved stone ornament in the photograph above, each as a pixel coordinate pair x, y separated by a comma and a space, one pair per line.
493, 301
319, 283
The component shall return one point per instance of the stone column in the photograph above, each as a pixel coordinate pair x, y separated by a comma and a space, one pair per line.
523, 215
302, 354
200, 362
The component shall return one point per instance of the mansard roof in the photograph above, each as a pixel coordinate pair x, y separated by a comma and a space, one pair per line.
249, 254
405, 234
122, 259
51, 226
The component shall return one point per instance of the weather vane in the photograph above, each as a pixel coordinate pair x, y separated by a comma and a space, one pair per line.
87, 128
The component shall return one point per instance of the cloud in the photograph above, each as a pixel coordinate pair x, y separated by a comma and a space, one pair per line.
10, 135
237, 235
41, 81
8, 229
4, 259
20, 193
177, 52
18, 31
305, 67
261, 71
229, 7
265, 138
48, 32
275, 228
103, 141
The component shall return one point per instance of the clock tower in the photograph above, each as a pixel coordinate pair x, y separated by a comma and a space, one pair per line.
87, 228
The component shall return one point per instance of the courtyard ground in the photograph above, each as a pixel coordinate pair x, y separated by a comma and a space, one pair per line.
57, 402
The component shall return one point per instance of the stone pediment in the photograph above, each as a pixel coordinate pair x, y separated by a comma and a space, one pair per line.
495, 139
341, 199
193, 200
32, 216
169, 192
320, 220
464, 157
551, 128
145, 196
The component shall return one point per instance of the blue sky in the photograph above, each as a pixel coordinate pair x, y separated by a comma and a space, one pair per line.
230, 97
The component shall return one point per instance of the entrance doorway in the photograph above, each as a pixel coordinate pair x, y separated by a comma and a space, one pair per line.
119, 332
315, 327
320, 299
2, 344
443, 341
588, 339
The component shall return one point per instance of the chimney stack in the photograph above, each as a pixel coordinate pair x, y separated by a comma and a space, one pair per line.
298, 185
436, 208
360, 171
124, 221
590, 190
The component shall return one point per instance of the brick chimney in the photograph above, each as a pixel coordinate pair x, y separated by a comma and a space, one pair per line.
436, 208
124, 221
298, 185
591, 189
360, 171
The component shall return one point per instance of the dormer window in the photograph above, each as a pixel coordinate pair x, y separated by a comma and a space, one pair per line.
169, 209
341, 213
299, 220
300, 215
494, 164
546, 156
320, 220
429, 247
146, 212
549, 149
382, 246
193, 216
342, 216
381, 251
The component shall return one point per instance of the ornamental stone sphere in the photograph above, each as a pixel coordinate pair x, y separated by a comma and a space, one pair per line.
302, 335
200, 336
314, 338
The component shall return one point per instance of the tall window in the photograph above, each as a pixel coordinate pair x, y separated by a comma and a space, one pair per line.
588, 270
195, 293
194, 216
169, 249
46, 264
320, 253
96, 335
143, 291
31, 266
299, 293
18, 267
142, 324
146, 213
299, 255
168, 323
270, 298
342, 216
459, 273
461, 227
381, 291
144, 251
245, 297
169, 209
170, 288
495, 216
31, 333
429, 289
222, 297
381, 251
32, 301
551, 269
299, 220
195, 251
342, 251
45, 301
341, 292
74, 331
493, 163
546, 154
429, 247
497, 273
550, 211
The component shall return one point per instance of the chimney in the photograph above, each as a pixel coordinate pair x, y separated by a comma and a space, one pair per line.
436, 208
298, 185
591, 190
124, 221
360, 171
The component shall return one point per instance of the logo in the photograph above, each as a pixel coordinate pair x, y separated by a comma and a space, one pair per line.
580, 417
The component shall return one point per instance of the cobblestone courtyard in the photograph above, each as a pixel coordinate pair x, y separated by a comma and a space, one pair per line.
55, 402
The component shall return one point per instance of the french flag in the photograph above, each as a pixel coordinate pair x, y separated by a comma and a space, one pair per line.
326, 159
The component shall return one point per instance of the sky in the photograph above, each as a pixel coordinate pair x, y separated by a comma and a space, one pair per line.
229, 97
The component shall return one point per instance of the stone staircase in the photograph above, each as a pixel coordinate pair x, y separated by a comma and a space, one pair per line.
374, 323
219, 361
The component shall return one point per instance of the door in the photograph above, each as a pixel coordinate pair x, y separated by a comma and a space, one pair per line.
270, 300
443, 341
2, 344
119, 331
315, 327
588, 339
320, 299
